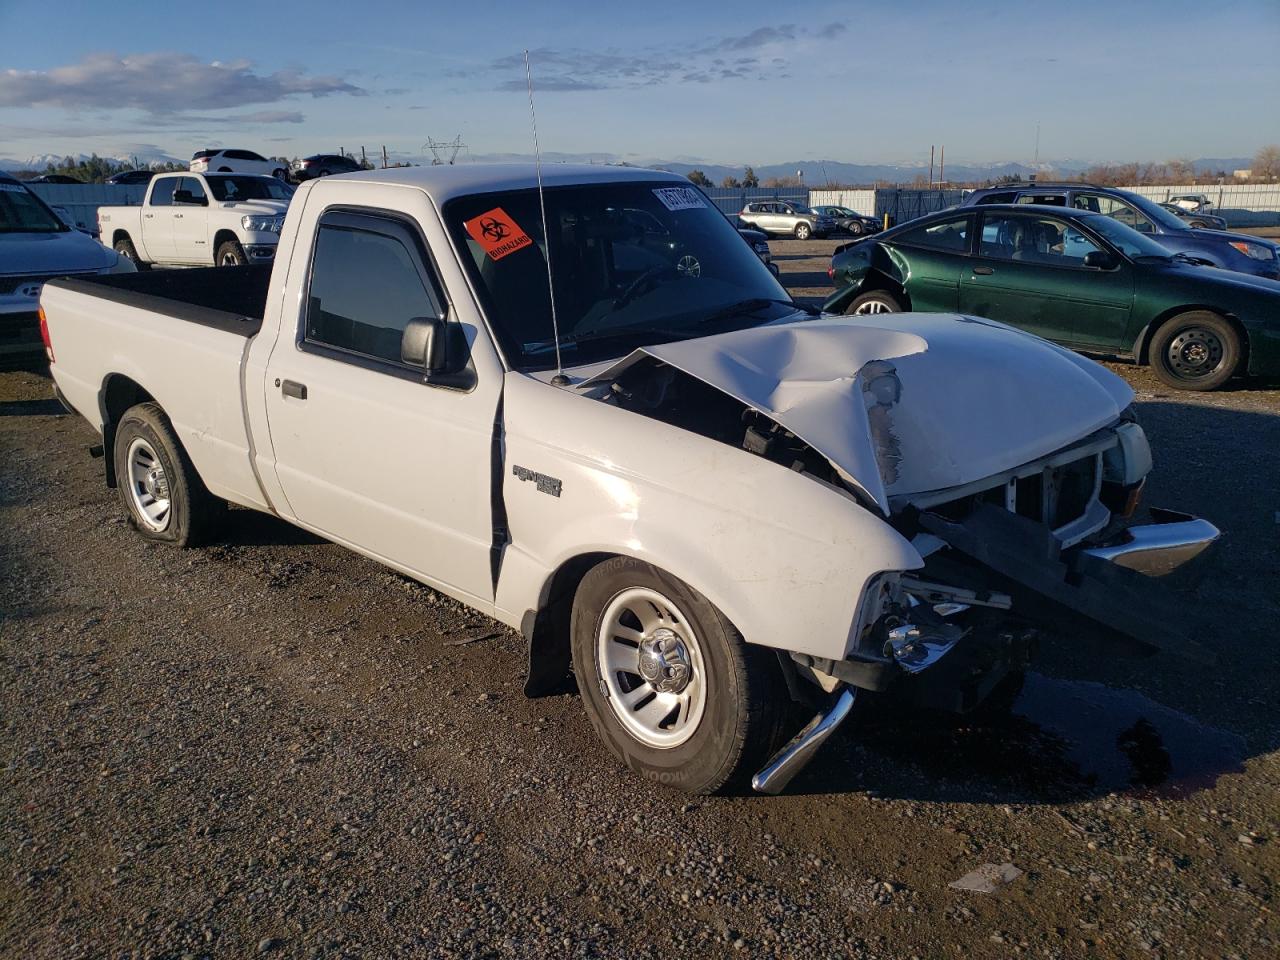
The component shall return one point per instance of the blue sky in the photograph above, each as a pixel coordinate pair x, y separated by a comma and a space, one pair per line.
741, 82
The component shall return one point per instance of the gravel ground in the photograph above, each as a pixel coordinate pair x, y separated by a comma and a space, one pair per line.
275, 747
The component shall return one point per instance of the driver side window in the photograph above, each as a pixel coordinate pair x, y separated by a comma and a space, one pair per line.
1115, 209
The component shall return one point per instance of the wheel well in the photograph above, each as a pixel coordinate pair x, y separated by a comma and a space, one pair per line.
118, 394
546, 630
1142, 353
221, 237
120, 235
876, 280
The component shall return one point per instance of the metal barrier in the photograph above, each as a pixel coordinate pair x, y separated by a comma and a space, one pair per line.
731, 200
82, 200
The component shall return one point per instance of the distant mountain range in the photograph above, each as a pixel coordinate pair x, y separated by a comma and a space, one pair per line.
815, 173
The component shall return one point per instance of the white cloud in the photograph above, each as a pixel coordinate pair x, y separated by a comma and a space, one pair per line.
160, 83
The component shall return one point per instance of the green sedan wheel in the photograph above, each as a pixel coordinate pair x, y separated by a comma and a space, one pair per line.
872, 302
1197, 350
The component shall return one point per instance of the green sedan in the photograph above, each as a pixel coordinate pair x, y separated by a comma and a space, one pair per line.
1080, 279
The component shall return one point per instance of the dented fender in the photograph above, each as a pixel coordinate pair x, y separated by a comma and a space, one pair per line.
785, 557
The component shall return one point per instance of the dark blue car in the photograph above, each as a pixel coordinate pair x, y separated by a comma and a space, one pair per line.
1231, 251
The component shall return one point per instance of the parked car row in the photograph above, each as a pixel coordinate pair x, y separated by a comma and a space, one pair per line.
1073, 272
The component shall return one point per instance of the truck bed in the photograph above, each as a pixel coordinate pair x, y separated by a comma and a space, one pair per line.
179, 337
228, 299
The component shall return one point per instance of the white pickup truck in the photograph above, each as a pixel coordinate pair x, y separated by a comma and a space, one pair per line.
714, 506
193, 219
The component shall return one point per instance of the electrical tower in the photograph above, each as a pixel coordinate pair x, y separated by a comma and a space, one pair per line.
439, 147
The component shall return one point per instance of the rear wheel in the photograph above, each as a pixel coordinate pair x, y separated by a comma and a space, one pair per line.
873, 301
124, 247
231, 254
668, 683
1197, 350
160, 489
802, 231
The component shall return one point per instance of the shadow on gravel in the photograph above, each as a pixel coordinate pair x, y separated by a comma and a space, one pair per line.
249, 528
1065, 740
32, 408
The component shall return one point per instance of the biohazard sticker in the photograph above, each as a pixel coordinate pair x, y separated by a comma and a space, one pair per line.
497, 233
680, 198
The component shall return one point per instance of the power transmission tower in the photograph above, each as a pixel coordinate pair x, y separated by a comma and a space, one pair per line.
439, 147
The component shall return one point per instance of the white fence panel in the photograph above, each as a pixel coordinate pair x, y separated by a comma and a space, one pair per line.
82, 200
859, 201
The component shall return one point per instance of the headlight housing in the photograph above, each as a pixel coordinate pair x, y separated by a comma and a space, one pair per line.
257, 224
1254, 251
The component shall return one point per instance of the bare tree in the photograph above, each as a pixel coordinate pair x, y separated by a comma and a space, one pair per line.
699, 178
730, 182
1266, 165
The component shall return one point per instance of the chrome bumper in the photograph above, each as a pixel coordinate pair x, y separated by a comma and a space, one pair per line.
1161, 547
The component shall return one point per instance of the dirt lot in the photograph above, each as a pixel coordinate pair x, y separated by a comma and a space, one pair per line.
275, 747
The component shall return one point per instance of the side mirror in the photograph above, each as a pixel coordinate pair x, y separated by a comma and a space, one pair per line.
423, 344
1100, 260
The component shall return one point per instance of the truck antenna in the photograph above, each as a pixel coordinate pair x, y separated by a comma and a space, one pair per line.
559, 379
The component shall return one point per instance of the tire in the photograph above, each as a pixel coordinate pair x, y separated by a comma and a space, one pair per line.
280, 175
727, 698
230, 254
1196, 350
854, 228
124, 247
803, 232
323, 173
164, 497
873, 302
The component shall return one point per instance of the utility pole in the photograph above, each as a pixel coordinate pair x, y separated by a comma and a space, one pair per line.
931, 164
1037, 160
942, 166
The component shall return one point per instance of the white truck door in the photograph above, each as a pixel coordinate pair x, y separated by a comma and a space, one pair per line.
191, 240
366, 452
156, 243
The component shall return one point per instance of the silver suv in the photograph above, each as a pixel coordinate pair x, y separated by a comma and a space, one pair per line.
786, 218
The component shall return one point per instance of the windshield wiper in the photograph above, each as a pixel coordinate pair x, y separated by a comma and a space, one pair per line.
750, 306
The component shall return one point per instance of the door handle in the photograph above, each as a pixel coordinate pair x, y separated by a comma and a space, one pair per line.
177, 216
984, 271
291, 388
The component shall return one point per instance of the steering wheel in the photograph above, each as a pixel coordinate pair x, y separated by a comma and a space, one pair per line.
643, 282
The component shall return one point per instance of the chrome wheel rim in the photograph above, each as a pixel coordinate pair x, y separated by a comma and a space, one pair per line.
651, 668
873, 306
230, 260
1194, 353
688, 266
802, 233
148, 485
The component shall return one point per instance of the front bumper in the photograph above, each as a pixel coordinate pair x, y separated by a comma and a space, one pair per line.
20, 334
260, 252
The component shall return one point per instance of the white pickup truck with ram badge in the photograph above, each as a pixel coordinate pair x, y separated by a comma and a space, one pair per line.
193, 219
711, 507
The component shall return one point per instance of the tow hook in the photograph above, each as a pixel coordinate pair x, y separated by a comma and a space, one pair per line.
795, 756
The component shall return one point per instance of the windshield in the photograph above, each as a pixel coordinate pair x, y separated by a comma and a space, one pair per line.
226, 188
634, 263
1126, 239
21, 211
1156, 212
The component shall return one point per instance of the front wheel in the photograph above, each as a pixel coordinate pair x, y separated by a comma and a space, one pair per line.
1197, 350
231, 254
873, 301
280, 174
125, 248
667, 682
854, 228
160, 489
802, 231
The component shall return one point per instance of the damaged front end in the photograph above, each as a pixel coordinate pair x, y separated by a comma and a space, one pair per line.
1013, 467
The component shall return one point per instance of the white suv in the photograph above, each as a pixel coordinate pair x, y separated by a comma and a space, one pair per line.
237, 161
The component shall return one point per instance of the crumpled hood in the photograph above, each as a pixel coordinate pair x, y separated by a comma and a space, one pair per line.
257, 208
911, 402
27, 254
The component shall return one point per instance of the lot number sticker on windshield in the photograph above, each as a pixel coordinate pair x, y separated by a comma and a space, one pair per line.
12, 188
497, 233
680, 198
